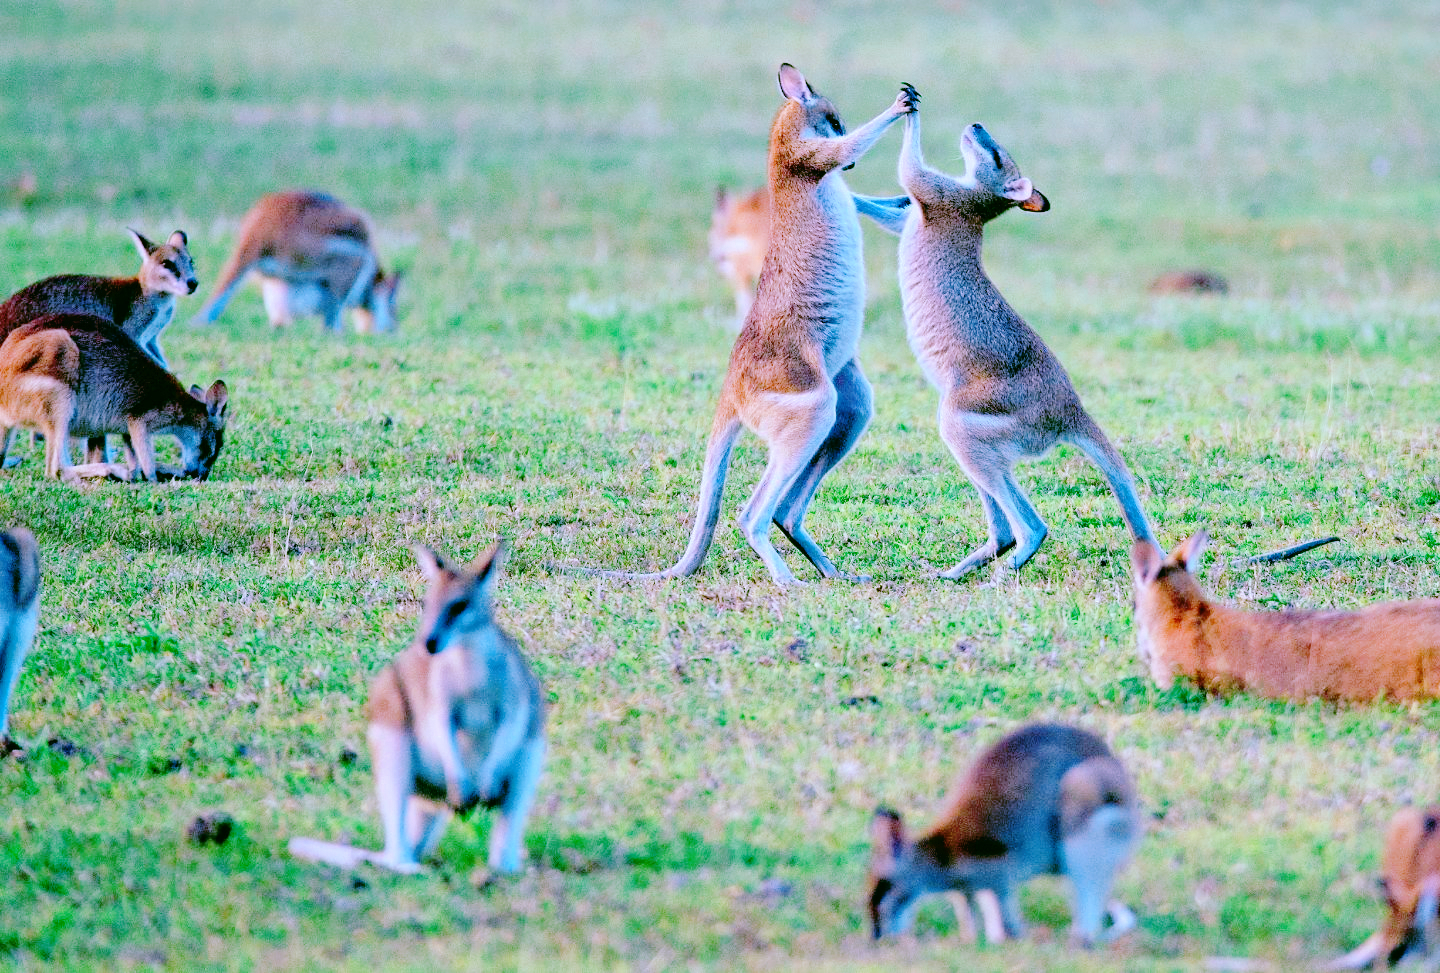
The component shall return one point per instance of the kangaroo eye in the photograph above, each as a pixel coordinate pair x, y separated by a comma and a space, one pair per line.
456, 608
170, 266
995, 154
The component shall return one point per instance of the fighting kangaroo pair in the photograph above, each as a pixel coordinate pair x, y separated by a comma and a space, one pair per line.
795, 380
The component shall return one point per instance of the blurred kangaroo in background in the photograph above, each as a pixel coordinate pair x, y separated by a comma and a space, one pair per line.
1410, 882
455, 721
1003, 395
314, 255
77, 374
794, 377
1390, 650
19, 617
1044, 800
739, 237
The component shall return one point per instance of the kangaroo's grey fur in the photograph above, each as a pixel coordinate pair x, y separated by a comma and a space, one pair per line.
19, 616
1003, 395
456, 720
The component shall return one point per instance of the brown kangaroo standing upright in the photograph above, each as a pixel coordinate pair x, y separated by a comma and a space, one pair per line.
77, 374
794, 378
1004, 396
739, 237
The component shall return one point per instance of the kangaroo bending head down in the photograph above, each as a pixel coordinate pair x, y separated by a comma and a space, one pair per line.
1046, 799
314, 255
1410, 882
1004, 396
793, 377
1387, 650
739, 236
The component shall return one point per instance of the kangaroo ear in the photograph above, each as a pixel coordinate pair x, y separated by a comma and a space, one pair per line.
178, 240
1019, 189
486, 567
197, 392
1187, 555
1146, 560
432, 565
1036, 203
143, 245
887, 839
217, 400
794, 86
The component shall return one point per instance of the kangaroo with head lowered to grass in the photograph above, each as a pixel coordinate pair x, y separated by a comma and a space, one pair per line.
79, 375
794, 378
1004, 396
1044, 800
1390, 650
314, 255
19, 617
455, 721
1410, 882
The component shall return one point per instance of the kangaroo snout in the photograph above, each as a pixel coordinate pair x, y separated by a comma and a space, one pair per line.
191, 285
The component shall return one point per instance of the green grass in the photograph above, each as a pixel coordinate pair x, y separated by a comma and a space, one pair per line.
545, 175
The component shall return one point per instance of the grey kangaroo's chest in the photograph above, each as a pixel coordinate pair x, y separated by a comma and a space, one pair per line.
491, 697
149, 316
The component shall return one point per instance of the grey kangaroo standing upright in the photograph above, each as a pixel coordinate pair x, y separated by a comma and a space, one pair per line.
1004, 396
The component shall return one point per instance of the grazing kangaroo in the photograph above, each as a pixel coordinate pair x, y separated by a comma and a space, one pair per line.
19, 617
455, 721
739, 237
79, 375
1004, 396
1045, 799
314, 255
794, 377
1383, 650
141, 306
1410, 880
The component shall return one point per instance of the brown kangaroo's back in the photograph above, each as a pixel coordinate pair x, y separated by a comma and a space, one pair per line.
315, 255
141, 306
1388, 650
84, 365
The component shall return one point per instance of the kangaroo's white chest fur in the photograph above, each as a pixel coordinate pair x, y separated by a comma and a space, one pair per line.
836, 292
149, 316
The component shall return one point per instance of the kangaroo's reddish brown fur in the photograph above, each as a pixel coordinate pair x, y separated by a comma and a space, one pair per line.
1410, 882
1389, 650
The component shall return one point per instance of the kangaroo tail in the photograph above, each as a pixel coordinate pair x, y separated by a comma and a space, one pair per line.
344, 856
1091, 440
712, 485
231, 276
1359, 957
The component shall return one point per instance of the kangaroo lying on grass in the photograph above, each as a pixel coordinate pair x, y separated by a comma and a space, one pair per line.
455, 721
1045, 799
1383, 650
1410, 880
19, 617
1004, 396
794, 377
76, 374
314, 255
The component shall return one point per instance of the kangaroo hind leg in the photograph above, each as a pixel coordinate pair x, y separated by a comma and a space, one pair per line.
794, 425
854, 405
507, 832
391, 761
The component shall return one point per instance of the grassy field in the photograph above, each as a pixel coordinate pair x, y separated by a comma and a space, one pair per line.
544, 173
